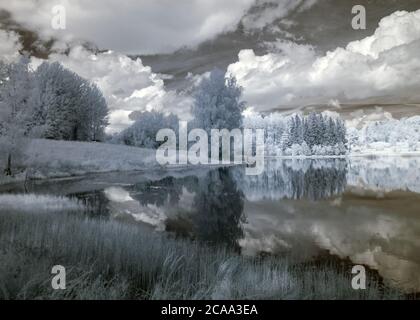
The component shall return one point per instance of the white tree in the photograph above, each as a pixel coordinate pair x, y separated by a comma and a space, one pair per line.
93, 116
68, 107
217, 103
311, 134
15, 108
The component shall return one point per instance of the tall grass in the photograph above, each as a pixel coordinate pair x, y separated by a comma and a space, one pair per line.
115, 260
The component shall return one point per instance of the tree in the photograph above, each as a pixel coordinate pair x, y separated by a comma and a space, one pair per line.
311, 130
93, 114
330, 135
51, 102
142, 133
68, 107
322, 135
4, 73
57, 108
341, 132
296, 130
217, 103
15, 108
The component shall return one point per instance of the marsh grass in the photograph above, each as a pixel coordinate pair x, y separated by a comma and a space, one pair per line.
116, 260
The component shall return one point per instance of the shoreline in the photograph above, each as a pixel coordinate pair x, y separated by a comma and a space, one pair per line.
22, 176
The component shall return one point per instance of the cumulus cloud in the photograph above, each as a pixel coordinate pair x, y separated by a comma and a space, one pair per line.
9, 46
127, 84
132, 26
146, 26
385, 64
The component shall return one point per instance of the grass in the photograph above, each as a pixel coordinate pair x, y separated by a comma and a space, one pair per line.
42, 158
115, 260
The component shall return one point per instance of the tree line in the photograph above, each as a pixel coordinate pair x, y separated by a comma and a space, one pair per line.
218, 105
49, 102
315, 131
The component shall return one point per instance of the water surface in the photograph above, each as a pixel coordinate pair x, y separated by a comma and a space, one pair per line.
366, 210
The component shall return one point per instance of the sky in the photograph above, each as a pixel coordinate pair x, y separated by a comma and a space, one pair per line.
148, 54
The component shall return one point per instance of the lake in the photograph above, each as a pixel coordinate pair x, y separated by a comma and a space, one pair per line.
360, 210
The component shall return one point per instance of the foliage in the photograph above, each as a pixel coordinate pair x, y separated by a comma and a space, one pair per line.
298, 135
143, 132
67, 106
217, 103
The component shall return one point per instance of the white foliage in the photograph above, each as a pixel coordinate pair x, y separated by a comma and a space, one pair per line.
389, 136
298, 135
15, 109
217, 103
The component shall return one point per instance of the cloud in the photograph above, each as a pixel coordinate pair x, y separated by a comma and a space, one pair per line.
400, 28
9, 46
132, 26
265, 12
380, 239
384, 64
146, 26
347, 225
127, 85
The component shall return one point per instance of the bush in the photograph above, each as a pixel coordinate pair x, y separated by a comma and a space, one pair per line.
143, 132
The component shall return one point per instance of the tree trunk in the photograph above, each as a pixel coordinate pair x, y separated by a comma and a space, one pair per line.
8, 170
75, 133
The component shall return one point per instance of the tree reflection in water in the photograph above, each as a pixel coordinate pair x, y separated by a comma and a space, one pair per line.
295, 179
218, 209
